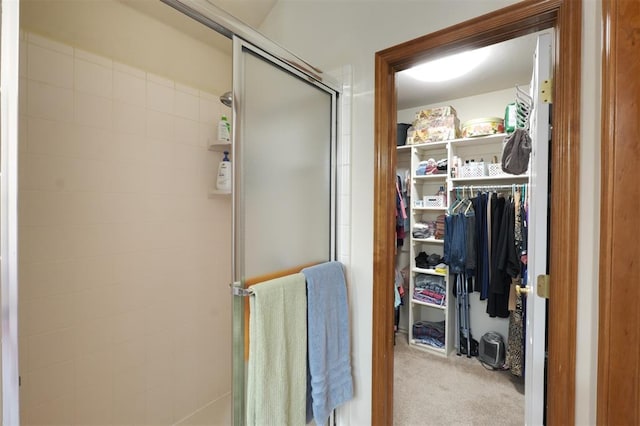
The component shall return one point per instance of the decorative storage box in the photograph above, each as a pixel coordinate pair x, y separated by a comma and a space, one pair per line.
473, 169
482, 127
436, 124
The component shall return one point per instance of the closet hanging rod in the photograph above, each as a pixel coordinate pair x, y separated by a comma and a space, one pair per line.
471, 187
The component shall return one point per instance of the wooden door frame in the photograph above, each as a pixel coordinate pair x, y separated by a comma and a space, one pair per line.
565, 17
619, 321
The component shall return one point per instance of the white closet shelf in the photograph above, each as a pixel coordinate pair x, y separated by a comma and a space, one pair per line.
428, 272
440, 177
429, 348
484, 179
431, 305
479, 140
427, 240
427, 209
431, 145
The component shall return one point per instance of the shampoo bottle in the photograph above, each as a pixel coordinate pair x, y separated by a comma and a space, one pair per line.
224, 129
223, 182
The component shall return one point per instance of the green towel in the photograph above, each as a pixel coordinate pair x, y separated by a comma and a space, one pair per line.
277, 368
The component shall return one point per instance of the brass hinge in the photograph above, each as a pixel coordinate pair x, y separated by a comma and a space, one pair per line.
546, 91
542, 286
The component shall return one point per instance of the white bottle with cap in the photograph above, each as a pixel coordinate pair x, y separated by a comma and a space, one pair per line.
223, 181
224, 130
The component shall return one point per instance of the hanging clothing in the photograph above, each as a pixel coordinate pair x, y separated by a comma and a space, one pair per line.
505, 262
401, 213
515, 348
482, 248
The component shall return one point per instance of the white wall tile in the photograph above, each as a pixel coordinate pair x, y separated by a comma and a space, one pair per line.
158, 79
129, 326
57, 411
209, 111
187, 105
92, 57
160, 126
38, 280
128, 118
126, 177
51, 348
49, 43
94, 369
49, 383
42, 244
49, 66
130, 148
47, 136
50, 313
64, 174
93, 336
91, 110
207, 134
93, 405
129, 87
160, 97
136, 72
159, 406
129, 354
92, 272
94, 79
186, 131
129, 408
49, 102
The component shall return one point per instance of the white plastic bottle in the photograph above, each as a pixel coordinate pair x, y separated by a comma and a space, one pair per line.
224, 129
223, 182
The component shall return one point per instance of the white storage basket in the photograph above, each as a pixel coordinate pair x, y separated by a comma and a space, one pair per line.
472, 170
433, 201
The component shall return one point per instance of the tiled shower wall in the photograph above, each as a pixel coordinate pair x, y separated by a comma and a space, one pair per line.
124, 306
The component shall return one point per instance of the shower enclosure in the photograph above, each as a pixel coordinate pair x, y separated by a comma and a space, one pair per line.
125, 260
125, 256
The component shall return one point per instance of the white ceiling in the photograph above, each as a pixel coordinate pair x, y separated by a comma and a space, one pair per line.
509, 63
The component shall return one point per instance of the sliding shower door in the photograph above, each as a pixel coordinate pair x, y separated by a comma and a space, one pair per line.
284, 145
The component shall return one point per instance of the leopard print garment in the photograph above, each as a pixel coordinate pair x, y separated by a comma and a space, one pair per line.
515, 349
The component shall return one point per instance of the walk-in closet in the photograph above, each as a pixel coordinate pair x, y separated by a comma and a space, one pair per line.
472, 161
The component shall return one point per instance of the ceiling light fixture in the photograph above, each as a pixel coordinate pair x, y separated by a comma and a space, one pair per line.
449, 67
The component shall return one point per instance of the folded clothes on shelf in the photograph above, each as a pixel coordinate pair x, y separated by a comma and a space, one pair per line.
425, 261
424, 229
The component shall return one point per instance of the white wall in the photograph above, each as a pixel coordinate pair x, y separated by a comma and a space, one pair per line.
350, 33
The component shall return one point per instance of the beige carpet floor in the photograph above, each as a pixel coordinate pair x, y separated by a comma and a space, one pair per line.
433, 390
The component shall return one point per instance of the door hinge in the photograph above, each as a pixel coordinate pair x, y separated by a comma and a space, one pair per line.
19, 381
542, 286
546, 91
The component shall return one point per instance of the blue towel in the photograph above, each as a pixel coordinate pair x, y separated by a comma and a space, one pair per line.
331, 383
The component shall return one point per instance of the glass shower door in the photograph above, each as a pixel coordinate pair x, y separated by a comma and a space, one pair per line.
283, 156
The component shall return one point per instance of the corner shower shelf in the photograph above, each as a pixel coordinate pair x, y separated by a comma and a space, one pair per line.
220, 146
216, 193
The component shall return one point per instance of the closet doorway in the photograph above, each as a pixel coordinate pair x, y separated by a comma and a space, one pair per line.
511, 22
437, 312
